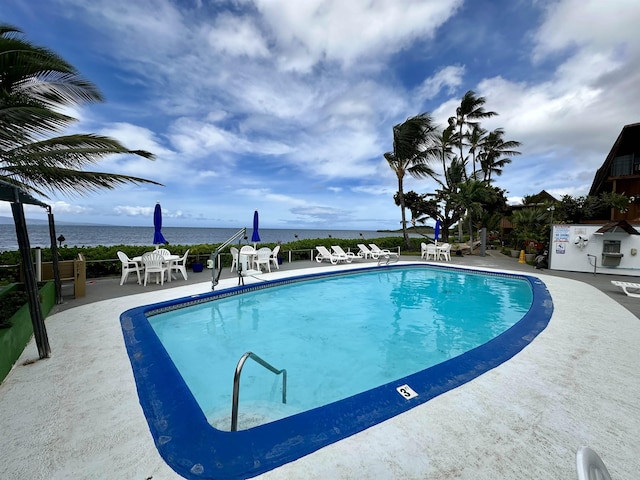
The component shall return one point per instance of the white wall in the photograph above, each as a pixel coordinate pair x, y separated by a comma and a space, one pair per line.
566, 253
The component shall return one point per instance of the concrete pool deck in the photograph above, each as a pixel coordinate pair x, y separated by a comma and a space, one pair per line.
77, 415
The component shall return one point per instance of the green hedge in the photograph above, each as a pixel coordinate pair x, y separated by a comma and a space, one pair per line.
103, 261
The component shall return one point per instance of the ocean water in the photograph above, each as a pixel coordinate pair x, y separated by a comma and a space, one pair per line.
91, 235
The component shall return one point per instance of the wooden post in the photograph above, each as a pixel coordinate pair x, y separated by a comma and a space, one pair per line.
31, 285
54, 255
80, 277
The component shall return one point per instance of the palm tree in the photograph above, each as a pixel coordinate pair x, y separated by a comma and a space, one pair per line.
496, 152
445, 142
477, 137
414, 147
35, 85
471, 108
471, 197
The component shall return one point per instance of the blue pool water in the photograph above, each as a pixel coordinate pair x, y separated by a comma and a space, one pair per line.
335, 336
412, 308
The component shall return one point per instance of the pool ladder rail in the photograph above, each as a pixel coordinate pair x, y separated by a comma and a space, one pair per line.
236, 384
386, 259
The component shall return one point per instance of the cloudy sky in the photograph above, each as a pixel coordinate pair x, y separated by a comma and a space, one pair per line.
288, 106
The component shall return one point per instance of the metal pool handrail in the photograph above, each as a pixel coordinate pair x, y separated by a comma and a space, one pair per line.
386, 259
236, 384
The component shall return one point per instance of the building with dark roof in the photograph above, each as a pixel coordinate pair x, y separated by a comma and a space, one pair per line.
620, 173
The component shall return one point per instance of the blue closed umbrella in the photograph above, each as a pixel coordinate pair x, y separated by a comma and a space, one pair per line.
158, 239
436, 231
255, 236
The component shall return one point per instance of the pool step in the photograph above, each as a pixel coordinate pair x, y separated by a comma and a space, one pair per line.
251, 415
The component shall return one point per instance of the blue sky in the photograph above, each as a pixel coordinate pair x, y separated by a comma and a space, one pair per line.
288, 106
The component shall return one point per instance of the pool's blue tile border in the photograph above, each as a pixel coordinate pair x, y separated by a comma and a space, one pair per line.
196, 450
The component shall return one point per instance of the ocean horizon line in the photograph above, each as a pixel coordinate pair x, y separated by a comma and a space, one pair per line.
110, 235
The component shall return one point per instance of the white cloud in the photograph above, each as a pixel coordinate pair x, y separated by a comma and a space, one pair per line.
587, 24
237, 36
448, 78
313, 31
61, 207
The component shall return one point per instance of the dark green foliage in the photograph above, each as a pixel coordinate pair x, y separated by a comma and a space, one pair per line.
10, 303
577, 209
103, 261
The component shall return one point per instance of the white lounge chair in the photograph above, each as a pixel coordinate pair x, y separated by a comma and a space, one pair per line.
626, 286
590, 466
342, 255
181, 265
377, 251
154, 263
365, 252
128, 266
324, 254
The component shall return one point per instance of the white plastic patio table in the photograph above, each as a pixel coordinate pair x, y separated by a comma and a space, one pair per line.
168, 259
248, 259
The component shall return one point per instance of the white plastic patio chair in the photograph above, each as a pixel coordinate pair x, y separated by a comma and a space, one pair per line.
154, 263
181, 265
274, 257
129, 266
444, 252
162, 251
263, 258
342, 255
590, 466
247, 257
234, 258
423, 250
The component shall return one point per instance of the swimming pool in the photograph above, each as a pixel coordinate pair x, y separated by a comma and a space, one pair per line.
335, 336
196, 450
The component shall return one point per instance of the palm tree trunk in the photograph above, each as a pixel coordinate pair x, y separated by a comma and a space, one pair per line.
405, 234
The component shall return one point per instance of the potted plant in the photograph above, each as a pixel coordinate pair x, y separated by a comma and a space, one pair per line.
530, 228
530, 251
197, 266
280, 253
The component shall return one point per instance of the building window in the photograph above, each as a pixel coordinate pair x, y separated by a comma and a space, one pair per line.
622, 165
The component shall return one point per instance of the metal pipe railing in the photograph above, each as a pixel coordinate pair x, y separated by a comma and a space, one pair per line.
238, 235
236, 384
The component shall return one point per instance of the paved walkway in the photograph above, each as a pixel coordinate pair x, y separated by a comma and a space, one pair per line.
109, 287
76, 415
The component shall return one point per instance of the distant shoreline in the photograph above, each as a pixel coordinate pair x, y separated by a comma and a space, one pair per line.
5, 220
415, 230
